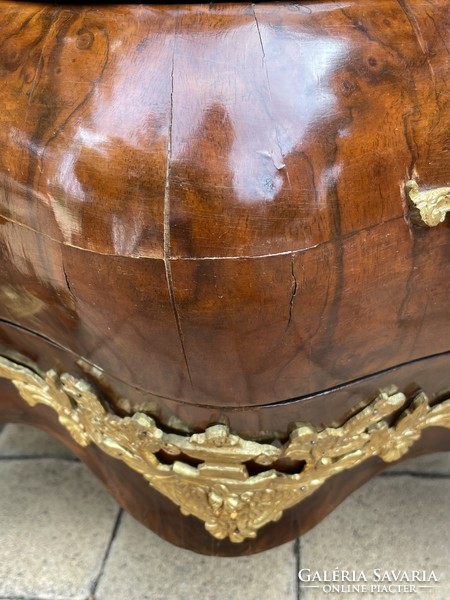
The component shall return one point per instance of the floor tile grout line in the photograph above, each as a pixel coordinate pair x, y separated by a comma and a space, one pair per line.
297, 550
22, 597
6, 458
419, 475
114, 532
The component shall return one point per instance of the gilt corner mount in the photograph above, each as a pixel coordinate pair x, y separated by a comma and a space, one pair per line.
432, 204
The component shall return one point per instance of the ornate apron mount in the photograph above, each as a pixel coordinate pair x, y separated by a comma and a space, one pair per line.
220, 491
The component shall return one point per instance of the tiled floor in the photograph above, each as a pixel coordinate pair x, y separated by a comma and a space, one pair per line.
63, 538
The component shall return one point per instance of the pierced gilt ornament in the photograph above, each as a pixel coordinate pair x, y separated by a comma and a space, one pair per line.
432, 204
220, 491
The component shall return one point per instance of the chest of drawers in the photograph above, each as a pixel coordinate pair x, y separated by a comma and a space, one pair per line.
225, 271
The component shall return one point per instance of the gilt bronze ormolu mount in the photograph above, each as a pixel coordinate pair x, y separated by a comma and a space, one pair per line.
219, 490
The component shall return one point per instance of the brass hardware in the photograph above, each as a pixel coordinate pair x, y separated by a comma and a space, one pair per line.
220, 491
432, 204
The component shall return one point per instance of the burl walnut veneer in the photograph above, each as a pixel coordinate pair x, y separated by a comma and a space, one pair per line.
225, 274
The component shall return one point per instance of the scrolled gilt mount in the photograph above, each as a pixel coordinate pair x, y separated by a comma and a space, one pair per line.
220, 491
432, 204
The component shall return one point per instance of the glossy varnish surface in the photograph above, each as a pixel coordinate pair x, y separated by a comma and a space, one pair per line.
207, 201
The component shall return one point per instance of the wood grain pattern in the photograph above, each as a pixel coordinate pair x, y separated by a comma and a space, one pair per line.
209, 197
207, 202
331, 407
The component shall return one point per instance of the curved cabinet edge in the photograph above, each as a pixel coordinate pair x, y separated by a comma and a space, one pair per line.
325, 465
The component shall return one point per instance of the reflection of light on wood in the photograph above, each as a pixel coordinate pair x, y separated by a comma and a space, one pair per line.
19, 301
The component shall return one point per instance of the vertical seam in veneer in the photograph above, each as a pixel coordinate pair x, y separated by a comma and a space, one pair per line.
38, 66
166, 224
294, 288
275, 128
414, 25
419, 37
